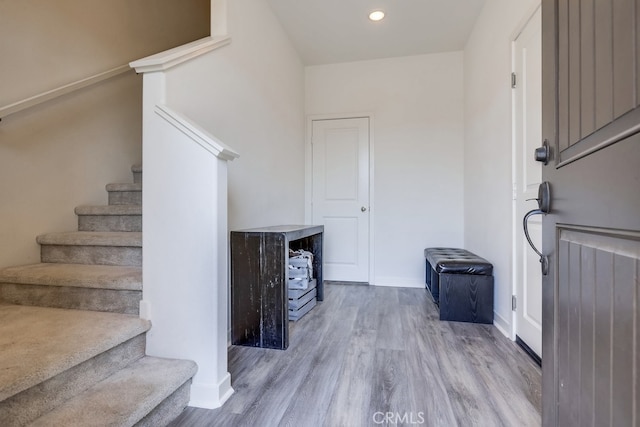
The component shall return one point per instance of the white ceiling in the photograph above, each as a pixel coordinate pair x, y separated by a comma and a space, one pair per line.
330, 31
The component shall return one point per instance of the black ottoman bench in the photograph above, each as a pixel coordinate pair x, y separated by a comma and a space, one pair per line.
461, 283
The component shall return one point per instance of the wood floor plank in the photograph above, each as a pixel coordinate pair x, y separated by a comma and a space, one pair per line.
350, 401
389, 326
319, 383
486, 366
293, 367
353, 294
389, 383
256, 377
197, 417
366, 350
368, 309
515, 367
255, 372
250, 381
467, 393
427, 391
408, 296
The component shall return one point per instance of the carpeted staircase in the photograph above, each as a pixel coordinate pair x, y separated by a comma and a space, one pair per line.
72, 346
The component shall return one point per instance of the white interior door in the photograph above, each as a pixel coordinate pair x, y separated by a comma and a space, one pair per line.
340, 195
528, 175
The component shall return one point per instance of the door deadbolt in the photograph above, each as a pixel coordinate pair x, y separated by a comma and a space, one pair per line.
543, 154
363, 209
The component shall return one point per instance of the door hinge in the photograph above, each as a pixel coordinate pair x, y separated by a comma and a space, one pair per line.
513, 80
514, 302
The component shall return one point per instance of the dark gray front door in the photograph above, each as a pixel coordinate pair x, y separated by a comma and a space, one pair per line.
591, 302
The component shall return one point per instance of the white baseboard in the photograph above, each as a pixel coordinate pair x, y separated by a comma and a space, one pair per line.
145, 310
398, 282
502, 325
211, 396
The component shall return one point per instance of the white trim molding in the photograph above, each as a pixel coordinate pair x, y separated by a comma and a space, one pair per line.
201, 394
502, 324
219, 18
398, 282
170, 58
196, 133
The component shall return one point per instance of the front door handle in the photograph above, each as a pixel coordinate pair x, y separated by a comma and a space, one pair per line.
544, 207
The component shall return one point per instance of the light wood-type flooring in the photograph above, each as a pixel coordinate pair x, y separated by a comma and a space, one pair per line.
370, 356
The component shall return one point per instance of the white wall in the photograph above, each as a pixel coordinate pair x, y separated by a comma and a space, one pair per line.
252, 100
48, 44
488, 144
417, 102
61, 153
57, 156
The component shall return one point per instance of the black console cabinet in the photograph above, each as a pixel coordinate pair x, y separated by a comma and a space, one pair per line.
259, 278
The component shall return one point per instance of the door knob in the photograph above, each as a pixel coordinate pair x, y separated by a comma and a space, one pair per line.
363, 209
543, 154
544, 206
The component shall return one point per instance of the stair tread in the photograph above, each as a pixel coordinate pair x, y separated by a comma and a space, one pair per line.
109, 210
125, 397
92, 238
47, 341
129, 186
75, 275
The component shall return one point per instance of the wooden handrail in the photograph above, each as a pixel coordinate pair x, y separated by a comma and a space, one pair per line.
62, 90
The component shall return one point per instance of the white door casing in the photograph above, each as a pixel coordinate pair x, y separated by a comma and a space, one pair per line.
527, 177
340, 195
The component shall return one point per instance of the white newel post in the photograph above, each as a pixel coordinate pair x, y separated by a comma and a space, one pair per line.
185, 238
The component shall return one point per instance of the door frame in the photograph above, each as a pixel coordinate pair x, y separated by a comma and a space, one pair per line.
308, 175
515, 221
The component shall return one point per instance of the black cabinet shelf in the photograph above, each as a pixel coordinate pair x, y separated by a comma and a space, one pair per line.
259, 279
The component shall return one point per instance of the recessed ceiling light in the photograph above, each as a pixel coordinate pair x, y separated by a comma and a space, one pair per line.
376, 15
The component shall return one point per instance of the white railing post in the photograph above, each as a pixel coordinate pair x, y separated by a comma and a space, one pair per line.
185, 237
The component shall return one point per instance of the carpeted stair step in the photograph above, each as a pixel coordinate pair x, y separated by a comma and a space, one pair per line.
114, 289
125, 194
109, 218
137, 173
92, 247
50, 355
149, 392
72, 349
